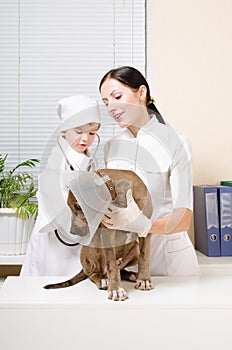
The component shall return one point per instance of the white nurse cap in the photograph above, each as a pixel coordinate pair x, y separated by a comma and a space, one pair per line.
78, 110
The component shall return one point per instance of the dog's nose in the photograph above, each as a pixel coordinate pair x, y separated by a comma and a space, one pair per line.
79, 227
79, 231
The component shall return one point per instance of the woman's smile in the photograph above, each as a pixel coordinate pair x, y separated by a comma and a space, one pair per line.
118, 116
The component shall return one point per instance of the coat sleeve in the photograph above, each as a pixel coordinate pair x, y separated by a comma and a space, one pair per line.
181, 175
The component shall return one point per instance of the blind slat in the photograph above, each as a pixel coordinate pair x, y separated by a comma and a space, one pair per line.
52, 49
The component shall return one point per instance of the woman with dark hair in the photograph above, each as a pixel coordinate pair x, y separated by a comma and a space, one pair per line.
132, 78
162, 158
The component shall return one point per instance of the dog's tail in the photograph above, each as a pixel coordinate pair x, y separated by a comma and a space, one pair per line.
81, 276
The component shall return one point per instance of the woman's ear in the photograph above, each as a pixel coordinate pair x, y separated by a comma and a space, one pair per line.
143, 94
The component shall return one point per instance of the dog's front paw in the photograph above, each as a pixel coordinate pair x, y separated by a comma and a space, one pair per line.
144, 285
101, 283
104, 283
117, 295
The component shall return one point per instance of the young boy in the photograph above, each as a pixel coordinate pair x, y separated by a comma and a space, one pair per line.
46, 255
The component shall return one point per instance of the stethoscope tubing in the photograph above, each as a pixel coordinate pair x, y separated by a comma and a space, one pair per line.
91, 158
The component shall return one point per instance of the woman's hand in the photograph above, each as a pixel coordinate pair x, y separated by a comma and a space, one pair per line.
130, 218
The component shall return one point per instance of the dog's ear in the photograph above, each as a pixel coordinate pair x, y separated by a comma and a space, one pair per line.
121, 188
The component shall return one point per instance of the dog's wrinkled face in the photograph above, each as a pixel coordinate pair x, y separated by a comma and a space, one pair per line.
79, 224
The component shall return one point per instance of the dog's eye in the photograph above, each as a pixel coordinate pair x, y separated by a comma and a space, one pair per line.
77, 207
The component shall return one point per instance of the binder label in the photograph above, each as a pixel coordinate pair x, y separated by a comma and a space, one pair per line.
226, 212
212, 210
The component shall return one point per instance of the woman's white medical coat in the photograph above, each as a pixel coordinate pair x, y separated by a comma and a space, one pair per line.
162, 158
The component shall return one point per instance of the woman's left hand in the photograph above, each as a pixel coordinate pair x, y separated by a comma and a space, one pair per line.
130, 218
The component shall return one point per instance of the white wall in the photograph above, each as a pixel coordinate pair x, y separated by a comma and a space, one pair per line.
192, 78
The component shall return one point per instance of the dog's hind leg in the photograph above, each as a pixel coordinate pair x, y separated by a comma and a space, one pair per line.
128, 275
100, 280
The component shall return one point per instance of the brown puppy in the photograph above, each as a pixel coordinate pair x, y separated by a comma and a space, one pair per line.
105, 266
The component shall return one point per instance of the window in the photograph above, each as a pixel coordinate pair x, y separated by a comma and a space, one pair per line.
55, 48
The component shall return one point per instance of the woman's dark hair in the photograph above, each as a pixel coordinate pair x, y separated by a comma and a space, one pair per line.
132, 78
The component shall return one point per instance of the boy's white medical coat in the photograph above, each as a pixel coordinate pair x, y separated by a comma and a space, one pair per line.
46, 255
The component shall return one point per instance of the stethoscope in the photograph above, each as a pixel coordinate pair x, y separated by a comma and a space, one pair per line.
91, 161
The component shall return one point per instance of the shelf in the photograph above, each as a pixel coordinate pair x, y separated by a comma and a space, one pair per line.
204, 261
214, 262
11, 259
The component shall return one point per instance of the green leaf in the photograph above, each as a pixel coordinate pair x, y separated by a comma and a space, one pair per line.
27, 211
31, 163
2, 162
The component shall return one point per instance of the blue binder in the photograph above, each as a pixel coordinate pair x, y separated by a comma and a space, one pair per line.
206, 220
225, 216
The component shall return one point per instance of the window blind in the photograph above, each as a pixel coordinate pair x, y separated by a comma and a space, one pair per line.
55, 48
9, 80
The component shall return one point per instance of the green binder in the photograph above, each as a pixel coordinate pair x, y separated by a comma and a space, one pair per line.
226, 183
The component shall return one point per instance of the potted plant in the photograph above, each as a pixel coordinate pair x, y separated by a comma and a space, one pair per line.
17, 208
